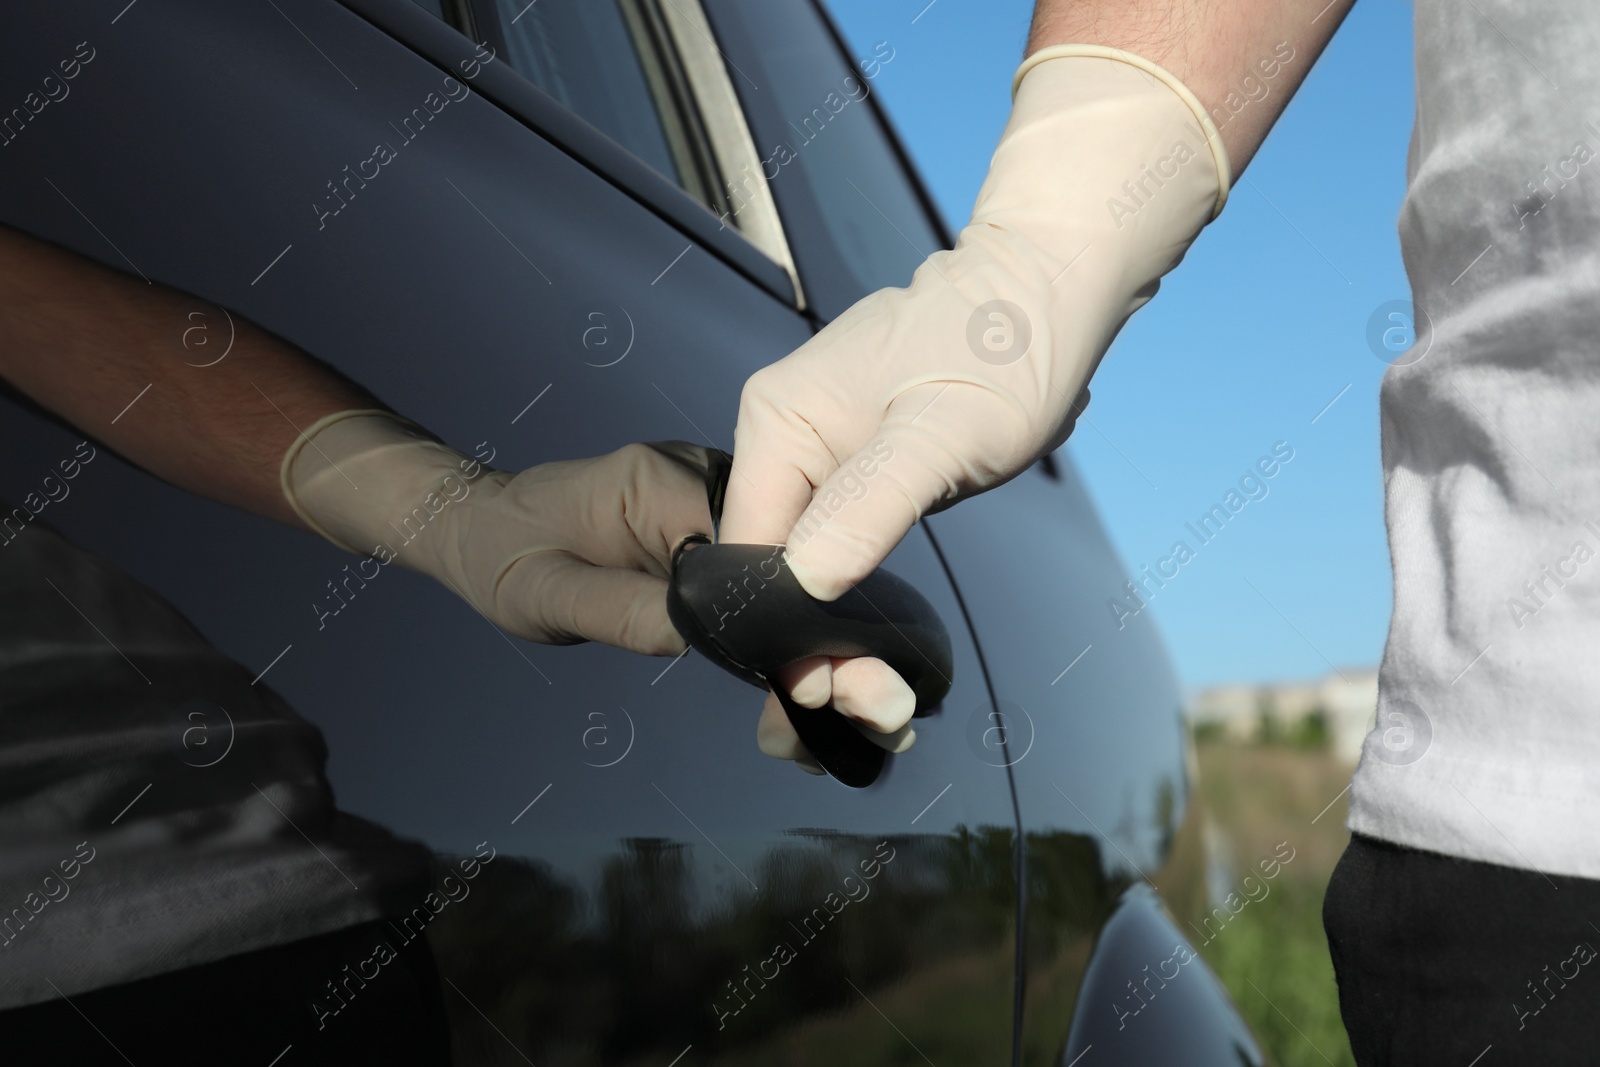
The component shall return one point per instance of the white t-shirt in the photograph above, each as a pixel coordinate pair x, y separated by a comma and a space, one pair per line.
1487, 744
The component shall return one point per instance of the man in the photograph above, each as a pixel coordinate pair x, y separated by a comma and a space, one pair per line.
1463, 914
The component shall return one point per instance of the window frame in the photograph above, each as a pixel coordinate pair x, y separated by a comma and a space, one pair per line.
701, 116
677, 128
447, 45
687, 138
732, 141
826, 264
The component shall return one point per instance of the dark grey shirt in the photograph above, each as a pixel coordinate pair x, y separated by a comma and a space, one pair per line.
157, 810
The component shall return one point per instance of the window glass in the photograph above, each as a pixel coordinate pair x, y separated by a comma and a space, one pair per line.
854, 218
581, 53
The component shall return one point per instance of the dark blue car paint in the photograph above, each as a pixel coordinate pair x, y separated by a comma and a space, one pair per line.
657, 860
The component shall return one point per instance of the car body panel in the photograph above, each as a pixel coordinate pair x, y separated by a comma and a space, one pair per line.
1146, 993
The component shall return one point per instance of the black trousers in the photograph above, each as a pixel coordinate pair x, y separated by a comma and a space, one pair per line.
1443, 960
248, 1009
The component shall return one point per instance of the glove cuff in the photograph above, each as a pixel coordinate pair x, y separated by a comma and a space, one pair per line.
351, 474
1202, 117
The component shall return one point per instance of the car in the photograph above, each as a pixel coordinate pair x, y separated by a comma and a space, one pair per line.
545, 229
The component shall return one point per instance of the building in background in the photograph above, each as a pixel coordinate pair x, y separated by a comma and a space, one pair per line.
1337, 710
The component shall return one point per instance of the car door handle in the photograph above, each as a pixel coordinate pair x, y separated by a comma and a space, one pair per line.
742, 608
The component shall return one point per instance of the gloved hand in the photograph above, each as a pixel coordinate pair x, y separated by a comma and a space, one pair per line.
916, 398
570, 551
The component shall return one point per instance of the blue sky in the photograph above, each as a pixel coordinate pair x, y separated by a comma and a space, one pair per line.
1264, 323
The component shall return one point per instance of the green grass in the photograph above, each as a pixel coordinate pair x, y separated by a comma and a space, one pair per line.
1273, 955
1274, 960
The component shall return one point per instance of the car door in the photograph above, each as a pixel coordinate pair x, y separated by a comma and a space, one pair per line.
539, 267
1087, 712
1115, 860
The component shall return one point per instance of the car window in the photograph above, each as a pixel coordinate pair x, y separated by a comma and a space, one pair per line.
831, 166
587, 54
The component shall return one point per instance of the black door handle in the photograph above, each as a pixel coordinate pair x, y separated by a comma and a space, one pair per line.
742, 608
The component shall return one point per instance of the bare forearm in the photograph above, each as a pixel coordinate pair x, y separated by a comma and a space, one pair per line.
1230, 53
84, 341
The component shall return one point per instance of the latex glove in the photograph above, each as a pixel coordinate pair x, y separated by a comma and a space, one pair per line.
571, 551
917, 398
865, 691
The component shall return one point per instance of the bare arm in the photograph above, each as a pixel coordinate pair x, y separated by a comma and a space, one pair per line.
84, 341
562, 552
1230, 53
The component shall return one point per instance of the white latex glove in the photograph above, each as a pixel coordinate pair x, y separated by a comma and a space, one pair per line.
571, 551
916, 398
